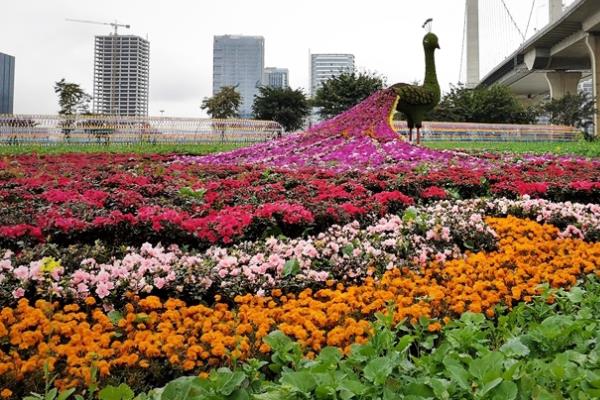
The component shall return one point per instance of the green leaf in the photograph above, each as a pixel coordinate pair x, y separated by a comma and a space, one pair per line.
505, 391
352, 386
348, 249
122, 392
239, 394
329, 355
404, 343
487, 368
490, 385
291, 267
410, 214
457, 373
418, 389
51, 395
183, 388
227, 382
115, 316
378, 369
514, 348
575, 295
302, 381
65, 394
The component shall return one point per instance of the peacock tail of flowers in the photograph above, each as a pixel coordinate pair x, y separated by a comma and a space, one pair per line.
361, 138
372, 117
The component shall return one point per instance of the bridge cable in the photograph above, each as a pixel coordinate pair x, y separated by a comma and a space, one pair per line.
529, 19
513, 20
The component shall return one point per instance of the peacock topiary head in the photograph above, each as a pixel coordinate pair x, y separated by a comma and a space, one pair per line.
430, 42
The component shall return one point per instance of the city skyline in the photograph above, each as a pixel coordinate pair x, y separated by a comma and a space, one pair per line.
182, 34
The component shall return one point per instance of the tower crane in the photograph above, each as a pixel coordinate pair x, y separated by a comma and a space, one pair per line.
115, 24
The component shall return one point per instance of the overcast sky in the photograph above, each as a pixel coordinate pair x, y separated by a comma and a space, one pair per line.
385, 37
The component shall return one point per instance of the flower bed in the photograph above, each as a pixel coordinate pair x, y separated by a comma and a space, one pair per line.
146, 268
80, 199
199, 337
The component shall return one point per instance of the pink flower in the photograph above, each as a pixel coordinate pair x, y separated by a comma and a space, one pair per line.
159, 282
21, 273
18, 293
102, 290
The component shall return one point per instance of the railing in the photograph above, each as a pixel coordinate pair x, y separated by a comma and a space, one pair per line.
463, 131
56, 129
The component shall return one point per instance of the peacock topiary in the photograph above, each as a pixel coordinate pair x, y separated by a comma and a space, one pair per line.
415, 101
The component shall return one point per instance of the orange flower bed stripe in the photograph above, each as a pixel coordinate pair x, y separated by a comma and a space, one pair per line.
71, 339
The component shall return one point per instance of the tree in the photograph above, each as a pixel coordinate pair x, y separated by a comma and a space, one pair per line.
494, 104
573, 109
287, 106
72, 99
338, 94
224, 104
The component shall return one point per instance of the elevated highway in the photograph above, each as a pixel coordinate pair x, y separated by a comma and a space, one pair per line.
557, 57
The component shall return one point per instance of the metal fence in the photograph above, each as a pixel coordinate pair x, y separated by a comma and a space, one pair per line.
55, 129
463, 131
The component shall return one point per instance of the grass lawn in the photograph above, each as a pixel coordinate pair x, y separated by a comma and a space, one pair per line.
197, 149
583, 148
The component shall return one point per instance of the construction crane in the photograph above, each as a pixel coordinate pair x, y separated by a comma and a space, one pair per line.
115, 24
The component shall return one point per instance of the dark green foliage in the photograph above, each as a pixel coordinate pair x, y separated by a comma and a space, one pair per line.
71, 98
494, 104
287, 106
573, 110
416, 101
224, 104
338, 94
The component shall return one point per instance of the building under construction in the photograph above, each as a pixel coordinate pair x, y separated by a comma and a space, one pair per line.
121, 75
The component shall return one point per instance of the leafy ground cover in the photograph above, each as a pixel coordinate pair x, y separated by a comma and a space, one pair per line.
337, 263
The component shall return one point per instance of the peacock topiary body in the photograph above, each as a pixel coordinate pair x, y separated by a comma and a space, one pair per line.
415, 101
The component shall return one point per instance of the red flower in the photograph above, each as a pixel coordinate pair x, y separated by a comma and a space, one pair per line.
434, 192
531, 188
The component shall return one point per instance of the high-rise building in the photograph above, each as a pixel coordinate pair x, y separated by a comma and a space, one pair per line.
327, 66
121, 75
7, 83
239, 61
276, 77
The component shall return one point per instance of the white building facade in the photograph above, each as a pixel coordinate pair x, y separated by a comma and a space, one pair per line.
326, 66
121, 75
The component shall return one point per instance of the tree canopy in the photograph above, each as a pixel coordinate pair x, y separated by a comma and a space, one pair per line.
72, 99
287, 106
338, 94
494, 104
224, 104
573, 109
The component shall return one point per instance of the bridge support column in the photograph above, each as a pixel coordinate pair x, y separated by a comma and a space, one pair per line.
593, 44
555, 10
472, 43
562, 83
